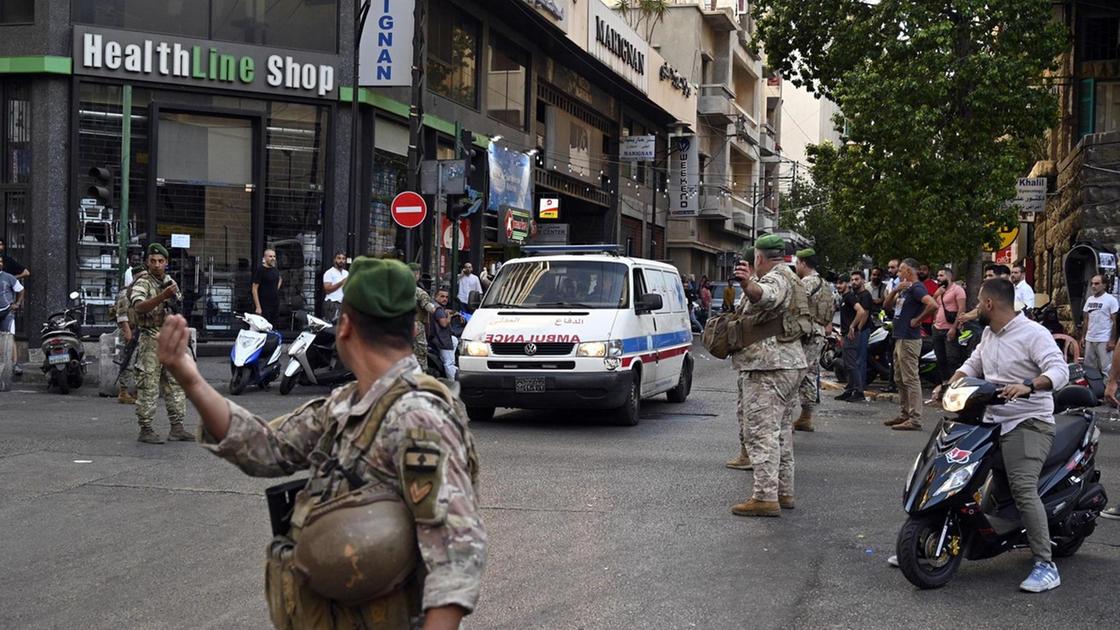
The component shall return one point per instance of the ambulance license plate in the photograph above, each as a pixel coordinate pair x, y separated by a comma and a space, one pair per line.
524, 385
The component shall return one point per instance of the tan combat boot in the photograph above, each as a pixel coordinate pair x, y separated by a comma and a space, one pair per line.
148, 436
785, 501
754, 507
179, 434
741, 462
124, 397
804, 422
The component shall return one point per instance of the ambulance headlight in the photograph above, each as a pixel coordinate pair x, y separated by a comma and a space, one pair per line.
611, 348
476, 349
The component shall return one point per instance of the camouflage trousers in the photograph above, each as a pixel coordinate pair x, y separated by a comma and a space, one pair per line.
151, 380
126, 375
766, 402
807, 391
420, 345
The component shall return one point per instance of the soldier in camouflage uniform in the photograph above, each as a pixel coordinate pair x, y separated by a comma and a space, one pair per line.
374, 334
821, 304
769, 373
126, 334
425, 306
148, 296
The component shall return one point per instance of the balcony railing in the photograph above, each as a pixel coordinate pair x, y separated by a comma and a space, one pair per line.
718, 103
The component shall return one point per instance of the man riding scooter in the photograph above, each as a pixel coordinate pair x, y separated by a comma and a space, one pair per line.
1020, 355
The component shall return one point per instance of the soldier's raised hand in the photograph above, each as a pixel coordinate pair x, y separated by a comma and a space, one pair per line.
171, 348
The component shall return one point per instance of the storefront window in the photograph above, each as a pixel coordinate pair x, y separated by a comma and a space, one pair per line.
301, 24
17, 11
1107, 115
452, 53
388, 179
15, 172
296, 145
506, 82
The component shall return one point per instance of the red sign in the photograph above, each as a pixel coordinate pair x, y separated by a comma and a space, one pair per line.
409, 209
1004, 256
464, 234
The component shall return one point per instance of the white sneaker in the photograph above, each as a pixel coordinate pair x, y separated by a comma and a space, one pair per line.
1112, 513
893, 561
1043, 577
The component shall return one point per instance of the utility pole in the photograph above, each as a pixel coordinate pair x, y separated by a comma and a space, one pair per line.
416, 110
126, 165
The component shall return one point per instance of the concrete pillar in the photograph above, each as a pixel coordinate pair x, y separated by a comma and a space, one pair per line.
7, 345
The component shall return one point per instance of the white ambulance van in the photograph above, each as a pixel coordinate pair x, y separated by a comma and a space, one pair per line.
577, 327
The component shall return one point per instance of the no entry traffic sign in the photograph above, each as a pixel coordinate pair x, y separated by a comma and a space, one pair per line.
408, 209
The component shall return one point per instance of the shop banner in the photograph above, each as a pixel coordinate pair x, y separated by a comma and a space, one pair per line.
511, 179
516, 226
186, 62
684, 173
637, 148
552, 233
611, 40
386, 49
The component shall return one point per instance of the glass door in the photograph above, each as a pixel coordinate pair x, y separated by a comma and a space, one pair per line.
204, 210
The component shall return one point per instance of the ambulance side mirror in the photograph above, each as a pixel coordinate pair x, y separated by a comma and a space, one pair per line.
474, 300
648, 303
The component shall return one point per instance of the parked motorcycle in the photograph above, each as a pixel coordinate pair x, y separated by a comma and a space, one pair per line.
63, 351
313, 358
255, 356
1090, 378
957, 497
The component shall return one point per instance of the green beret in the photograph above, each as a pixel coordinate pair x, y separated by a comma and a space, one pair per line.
380, 288
156, 248
770, 241
413, 266
806, 253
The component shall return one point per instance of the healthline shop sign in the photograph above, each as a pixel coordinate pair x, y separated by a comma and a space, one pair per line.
193, 62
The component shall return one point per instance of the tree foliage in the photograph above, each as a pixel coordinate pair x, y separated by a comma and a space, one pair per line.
944, 105
807, 211
643, 15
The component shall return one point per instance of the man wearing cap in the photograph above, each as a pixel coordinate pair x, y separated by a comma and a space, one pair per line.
821, 306
392, 431
425, 307
770, 370
149, 296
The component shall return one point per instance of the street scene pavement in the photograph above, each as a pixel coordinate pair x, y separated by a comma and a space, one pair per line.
590, 525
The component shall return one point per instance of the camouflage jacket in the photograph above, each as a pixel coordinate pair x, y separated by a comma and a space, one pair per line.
425, 306
144, 287
815, 283
770, 354
453, 544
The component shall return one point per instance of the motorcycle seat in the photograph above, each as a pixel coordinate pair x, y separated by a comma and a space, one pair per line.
1068, 432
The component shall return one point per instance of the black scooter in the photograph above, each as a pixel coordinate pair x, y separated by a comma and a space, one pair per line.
64, 354
957, 495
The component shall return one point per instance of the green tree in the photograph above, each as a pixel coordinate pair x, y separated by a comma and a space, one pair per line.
807, 211
643, 15
944, 105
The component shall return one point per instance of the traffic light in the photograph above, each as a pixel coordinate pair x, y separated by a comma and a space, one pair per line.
102, 186
466, 143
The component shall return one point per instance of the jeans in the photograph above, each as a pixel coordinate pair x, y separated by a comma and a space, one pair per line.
948, 353
855, 360
1024, 451
448, 359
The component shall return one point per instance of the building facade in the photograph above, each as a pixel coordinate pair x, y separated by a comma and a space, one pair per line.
738, 111
236, 119
1082, 217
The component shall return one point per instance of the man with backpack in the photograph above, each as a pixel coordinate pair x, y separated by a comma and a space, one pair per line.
821, 309
770, 363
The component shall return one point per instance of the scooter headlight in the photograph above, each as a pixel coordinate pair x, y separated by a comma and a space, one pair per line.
957, 480
956, 398
475, 348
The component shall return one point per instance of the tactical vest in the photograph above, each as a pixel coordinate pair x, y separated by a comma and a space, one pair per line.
726, 334
797, 320
821, 305
350, 559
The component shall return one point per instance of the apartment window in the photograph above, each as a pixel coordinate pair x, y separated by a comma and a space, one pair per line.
1101, 38
506, 82
175, 17
17, 11
1107, 114
453, 53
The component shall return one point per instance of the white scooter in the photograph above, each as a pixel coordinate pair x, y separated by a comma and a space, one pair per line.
313, 358
255, 356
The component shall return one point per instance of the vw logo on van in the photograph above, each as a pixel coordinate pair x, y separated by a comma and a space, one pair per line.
530, 349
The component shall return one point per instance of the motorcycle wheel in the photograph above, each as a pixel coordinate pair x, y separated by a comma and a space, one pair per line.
917, 543
75, 380
828, 358
480, 414
287, 384
1068, 547
239, 381
62, 382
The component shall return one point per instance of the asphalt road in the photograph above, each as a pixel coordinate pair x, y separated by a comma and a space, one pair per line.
590, 525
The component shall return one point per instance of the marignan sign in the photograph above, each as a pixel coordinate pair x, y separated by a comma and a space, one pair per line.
182, 61
385, 55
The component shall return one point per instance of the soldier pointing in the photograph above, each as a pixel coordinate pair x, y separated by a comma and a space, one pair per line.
386, 533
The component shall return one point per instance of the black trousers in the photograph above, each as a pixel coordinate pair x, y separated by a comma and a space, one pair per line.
949, 355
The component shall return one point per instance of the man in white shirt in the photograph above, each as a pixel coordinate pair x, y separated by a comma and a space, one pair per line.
1024, 293
333, 280
1020, 355
1098, 326
467, 282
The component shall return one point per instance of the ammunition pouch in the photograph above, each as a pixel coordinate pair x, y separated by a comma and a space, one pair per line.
726, 334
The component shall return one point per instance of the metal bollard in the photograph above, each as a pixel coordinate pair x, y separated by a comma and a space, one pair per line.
7, 346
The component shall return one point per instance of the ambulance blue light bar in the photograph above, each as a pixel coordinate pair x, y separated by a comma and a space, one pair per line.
546, 250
